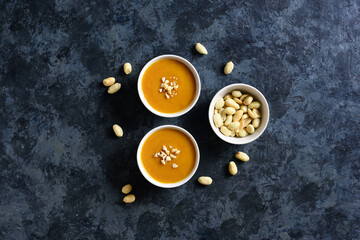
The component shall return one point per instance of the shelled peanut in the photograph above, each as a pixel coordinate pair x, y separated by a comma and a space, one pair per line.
129, 198
237, 114
113, 87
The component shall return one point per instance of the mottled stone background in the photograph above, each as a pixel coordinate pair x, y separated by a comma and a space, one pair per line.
62, 169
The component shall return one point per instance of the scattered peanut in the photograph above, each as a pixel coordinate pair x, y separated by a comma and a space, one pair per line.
205, 180
114, 88
118, 130
242, 156
201, 49
129, 198
229, 68
126, 189
108, 81
232, 168
127, 68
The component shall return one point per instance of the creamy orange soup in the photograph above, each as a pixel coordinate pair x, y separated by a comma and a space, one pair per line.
185, 160
175, 72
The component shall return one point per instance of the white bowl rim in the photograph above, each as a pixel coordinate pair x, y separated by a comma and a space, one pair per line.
147, 175
235, 140
193, 71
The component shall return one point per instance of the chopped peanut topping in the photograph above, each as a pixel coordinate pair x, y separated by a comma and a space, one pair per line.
166, 155
169, 87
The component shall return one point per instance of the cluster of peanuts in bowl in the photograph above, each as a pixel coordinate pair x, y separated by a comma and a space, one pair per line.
237, 114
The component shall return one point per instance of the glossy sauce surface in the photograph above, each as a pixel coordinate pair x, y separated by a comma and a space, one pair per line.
185, 160
167, 68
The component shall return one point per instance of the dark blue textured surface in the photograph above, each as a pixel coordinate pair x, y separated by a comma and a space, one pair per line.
62, 169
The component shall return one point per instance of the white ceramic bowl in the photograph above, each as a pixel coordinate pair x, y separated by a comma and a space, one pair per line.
264, 109
192, 69
146, 174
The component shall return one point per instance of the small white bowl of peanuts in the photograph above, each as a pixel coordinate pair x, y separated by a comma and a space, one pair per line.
238, 113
